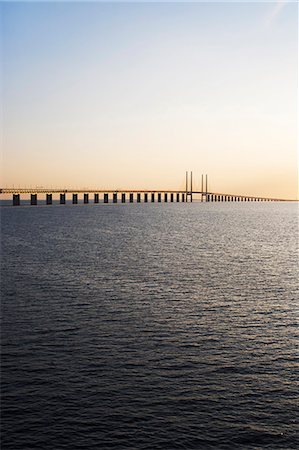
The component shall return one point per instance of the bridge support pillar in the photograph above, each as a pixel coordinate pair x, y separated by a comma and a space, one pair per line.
33, 199
138, 197
96, 198
159, 197
16, 199
49, 199
131, 197
114, 197
165, 197
62, 199
171, 197
106, 198
153, 197
86, 198
75, 199
123, 197
146, 197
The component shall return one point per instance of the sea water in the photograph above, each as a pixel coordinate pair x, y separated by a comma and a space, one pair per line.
149, 326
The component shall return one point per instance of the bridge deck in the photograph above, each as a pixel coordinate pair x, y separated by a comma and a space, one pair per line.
20, 191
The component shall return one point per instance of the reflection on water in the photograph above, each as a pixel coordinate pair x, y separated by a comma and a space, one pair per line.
149, 326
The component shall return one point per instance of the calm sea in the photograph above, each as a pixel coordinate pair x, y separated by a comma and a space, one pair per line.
149, 326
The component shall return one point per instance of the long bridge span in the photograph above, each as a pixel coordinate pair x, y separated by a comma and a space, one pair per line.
131, 195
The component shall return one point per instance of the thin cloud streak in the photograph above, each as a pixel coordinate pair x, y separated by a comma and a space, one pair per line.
276, 11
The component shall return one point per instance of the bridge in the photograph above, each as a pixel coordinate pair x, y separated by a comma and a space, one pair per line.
124, 195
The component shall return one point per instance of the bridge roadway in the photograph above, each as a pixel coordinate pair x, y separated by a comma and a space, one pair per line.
148, 195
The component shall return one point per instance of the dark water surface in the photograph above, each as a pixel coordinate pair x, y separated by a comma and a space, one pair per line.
149, 326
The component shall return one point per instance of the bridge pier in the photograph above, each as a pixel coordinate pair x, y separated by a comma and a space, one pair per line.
16, 199
48, 199
141, 196
33, 199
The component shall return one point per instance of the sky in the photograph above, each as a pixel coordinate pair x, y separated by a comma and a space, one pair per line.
131, 95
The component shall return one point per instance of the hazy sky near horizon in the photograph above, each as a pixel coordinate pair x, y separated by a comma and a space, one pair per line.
129, 95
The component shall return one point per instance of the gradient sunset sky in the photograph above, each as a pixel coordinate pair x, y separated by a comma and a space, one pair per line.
131, 95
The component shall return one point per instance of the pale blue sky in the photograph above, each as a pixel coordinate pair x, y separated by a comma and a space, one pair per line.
132, 95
